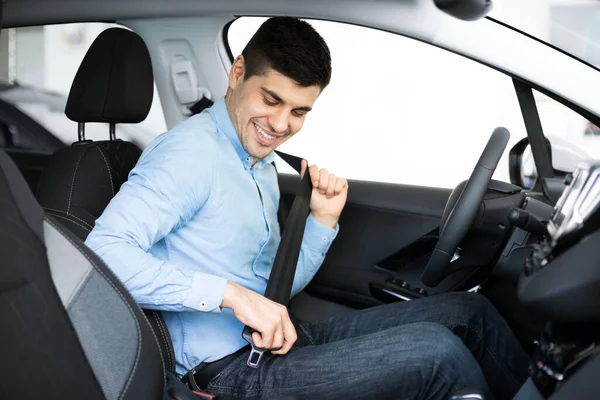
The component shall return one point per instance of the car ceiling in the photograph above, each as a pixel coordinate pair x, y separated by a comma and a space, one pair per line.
421, 18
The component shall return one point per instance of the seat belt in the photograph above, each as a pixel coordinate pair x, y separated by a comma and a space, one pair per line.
200, 105
281, 279
283, 209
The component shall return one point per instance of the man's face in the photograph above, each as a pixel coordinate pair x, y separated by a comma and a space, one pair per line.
267, 109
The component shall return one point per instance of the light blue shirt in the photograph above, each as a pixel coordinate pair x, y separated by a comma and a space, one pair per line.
194, 214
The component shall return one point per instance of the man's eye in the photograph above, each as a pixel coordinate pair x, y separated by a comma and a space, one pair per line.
269, 103
298, 114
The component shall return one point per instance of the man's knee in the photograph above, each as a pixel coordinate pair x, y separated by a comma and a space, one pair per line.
444, 362
443, 348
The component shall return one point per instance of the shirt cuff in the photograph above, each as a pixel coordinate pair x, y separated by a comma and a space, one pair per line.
317, 236
206, 292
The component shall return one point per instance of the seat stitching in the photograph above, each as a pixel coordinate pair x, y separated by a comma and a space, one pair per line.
162, 361
73, 181
172, 361
162, 332
70, 220
159, 327
170, 355
70, 215
137, 325
112, 185
169, 348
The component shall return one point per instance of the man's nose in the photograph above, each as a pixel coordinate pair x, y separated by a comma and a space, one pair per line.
279, 121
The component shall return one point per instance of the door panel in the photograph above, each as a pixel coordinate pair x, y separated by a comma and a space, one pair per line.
378, 221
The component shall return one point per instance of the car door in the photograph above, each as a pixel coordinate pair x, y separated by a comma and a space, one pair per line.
384, 228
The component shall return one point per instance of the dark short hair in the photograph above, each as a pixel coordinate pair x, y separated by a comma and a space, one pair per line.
291, 47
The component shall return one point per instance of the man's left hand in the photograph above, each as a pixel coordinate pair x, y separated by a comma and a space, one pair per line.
328, 196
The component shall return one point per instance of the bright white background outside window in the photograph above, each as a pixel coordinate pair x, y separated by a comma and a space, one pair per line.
398, 110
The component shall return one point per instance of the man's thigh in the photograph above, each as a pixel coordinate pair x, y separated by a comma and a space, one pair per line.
471, 317
412, 361
450, 310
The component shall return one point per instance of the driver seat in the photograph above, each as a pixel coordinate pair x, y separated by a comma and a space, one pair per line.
114, 84
69, 327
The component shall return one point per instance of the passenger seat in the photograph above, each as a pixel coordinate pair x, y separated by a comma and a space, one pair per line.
114, 85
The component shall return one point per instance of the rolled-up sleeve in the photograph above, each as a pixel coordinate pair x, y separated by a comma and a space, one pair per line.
170, 183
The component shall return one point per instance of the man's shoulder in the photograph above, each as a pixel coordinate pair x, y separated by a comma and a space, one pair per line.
196, 135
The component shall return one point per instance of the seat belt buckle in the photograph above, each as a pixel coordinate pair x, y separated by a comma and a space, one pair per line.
256, 352
254, 357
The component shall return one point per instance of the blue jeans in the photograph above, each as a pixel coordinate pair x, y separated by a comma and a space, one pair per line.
422, 349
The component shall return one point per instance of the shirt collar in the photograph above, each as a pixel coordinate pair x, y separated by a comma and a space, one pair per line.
221, 117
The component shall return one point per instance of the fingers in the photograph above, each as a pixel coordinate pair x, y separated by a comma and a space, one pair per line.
257, 338
264, 339
326, 183
289, 335
319, 178
277, 338
323, 180
331, 186
271, 321
314, 175
279, 335
340, 185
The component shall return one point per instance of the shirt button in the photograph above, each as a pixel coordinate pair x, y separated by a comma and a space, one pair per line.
248, 159
203, 304
324, 239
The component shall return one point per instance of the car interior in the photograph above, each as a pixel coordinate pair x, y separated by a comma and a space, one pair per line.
74, 331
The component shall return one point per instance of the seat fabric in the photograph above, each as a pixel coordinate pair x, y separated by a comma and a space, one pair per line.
69, 327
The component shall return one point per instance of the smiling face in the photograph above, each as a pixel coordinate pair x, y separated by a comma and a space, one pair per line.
266, 109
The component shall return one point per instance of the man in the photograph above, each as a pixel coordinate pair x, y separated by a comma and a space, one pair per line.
194, 232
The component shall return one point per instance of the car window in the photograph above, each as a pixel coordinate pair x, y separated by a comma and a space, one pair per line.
44, 62
572, 137
399, 110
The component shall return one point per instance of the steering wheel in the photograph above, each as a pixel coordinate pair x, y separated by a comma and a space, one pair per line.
461, 216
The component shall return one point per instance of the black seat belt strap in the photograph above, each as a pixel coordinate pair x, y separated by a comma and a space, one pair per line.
540, 148
281, 279
200, 105
282, 210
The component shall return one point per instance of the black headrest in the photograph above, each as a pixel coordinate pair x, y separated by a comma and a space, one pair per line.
114, 82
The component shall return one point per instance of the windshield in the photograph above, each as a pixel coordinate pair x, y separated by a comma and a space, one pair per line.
570, 25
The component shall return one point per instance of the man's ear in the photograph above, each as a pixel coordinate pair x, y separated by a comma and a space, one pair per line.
236, 74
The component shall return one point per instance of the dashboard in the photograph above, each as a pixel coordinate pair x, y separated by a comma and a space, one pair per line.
562, 274
562, 281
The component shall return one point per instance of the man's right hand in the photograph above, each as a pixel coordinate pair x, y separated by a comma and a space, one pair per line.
270, 320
